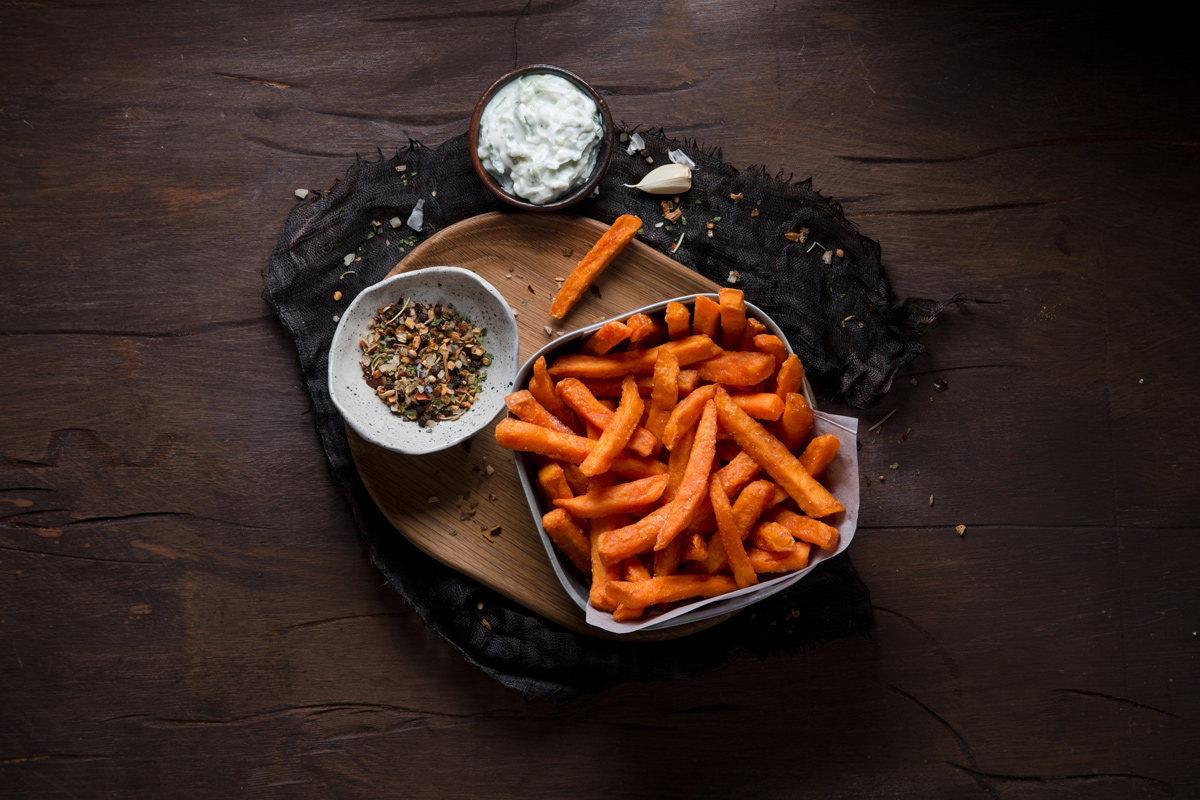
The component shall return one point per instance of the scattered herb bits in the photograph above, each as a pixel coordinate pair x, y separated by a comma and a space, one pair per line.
426, 362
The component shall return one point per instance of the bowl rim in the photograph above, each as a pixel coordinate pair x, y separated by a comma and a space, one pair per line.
342, 331
533, 496
602, 160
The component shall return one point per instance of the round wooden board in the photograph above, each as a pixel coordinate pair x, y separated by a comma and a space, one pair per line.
520, 254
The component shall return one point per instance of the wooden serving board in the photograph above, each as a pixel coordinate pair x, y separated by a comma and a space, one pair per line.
520, 254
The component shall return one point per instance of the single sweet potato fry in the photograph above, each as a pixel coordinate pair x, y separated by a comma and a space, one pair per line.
735, 551
636, 537
632, 569
610, 334
541, 386
515, 434
706, 317
772, 345
806, 529
577, 397
664, 395
695, 548
769, 536
622, 498
643, 328
618, 365
753, 328
525, 406
689, 381
679, 320
602, 573
760, 405
747, 509
737, 473
790, 376
796, 422
732, 303
616, 434
598, 258
552, 481
685, 414
771, 454
669, 589
570, 538
666, 561
819, 454
737, 369
695, 478
579, 483
764, 561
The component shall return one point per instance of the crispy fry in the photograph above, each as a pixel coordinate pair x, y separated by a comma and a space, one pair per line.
541, 386
695, 478
685, 414
632, 569
569, 537
753, 328
598, 258
695, 547
807, 529
665, 394
576, 396
623, 498
732, 303
819, 454
618, 365
515, 434
616, 434
790, 376
642, 328
737, 473
764, 561
669, 589
525, 406
602, 573
706, 317
772, 345
689, 379
731, 541
747, 509
796, 423
552, 482
610, 334
579, 483
636, 537
813, 498
770, 536
760, 405
679, 320
737, 369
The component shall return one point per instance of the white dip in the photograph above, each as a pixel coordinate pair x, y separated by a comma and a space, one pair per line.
539, 137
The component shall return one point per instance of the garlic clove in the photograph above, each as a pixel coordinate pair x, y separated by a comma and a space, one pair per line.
667, 179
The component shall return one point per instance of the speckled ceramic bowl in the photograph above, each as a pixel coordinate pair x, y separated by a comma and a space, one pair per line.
473, 298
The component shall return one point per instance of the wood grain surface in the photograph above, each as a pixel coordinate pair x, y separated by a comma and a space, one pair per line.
521, 255
187, 611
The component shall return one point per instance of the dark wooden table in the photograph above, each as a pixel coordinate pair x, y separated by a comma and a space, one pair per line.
185, 607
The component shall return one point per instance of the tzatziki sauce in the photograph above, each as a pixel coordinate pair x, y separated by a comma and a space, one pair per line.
539, 137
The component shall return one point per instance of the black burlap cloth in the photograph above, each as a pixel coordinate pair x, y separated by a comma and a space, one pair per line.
791, 281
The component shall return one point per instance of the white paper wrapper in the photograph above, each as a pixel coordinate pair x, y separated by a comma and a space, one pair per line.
841, 479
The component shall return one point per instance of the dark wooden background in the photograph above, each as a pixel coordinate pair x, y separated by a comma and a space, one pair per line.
186, 610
